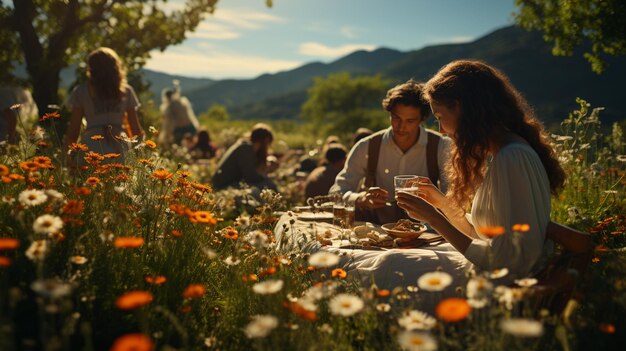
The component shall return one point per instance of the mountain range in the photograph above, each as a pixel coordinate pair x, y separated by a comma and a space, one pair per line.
550, 83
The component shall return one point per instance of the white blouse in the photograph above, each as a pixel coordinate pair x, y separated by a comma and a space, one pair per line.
516, 190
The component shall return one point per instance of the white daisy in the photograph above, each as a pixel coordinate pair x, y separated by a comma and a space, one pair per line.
434, 281
32, 197
257, 239
318, 292
243, 221
416, 341
498, 273
479, 288
383, 307
414, 319
55, 195
232, 261
345, 305
51, 288
47, 224
522, 327
526, 282
323, 259
37, 250
261, 326
268, 287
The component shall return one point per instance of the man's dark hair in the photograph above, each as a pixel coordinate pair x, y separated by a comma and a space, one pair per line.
410, 94
260, 132
335, 152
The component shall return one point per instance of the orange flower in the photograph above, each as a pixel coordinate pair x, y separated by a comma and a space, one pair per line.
522, 228
383, 293
5, 261
73, 207
204, 217
231, 233
151, 144
194, 291
43, 161
146, 162
156, 280
9, 243
97, 137
81, 190
492, 231
78, 147
453, 309
298, 310
162, 175
92, 181
112, 155
4, 170
29, 166
249, 277
184, 174
607, 328
339, 273
176, 233
50, 115
133, 342
269, 271
133, 299
128, 242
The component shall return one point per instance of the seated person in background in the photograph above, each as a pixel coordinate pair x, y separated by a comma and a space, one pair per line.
360, 134
203, 148
322, 178
246, 161
502, 163
404, 148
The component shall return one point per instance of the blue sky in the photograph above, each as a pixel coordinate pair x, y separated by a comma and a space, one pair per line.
244, 38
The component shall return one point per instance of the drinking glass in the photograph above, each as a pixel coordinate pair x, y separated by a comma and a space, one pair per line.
339, 213
349, 221
406, 182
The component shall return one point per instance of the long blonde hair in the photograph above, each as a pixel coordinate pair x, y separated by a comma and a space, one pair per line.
106, 74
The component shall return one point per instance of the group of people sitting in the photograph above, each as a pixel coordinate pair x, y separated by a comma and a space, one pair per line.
490, 165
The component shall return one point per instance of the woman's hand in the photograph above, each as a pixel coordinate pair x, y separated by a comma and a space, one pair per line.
430, 193
374, 197
415, 207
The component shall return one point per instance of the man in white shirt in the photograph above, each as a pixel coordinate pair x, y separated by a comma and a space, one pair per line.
399, 149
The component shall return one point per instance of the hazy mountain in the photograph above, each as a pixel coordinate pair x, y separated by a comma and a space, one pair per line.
550, 83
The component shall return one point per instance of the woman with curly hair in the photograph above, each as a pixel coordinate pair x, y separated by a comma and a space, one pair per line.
104, 100
502, 165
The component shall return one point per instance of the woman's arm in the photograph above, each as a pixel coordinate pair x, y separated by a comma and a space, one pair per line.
421, 210
73, 129
133, 121
454, 214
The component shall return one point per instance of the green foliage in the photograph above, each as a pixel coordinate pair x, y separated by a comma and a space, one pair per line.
50, 35
216, 113
569, 24
339, 103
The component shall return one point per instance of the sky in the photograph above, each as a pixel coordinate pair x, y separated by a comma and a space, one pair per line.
245, 38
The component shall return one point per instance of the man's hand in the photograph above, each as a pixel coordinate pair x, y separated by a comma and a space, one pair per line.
374, 197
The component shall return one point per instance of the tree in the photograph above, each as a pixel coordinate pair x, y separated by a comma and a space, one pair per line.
49, 35
341, 104
573, 22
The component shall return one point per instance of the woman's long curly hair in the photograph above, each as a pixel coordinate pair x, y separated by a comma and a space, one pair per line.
107, 75
490, 107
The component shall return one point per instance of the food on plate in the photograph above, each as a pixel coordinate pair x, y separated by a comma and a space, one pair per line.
407, 225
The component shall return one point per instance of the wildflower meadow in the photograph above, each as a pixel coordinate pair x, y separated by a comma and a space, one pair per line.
144, 255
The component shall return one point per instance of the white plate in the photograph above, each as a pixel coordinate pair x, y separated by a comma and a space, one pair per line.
315, 216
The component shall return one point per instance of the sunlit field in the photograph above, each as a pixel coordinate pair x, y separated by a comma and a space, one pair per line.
145, 256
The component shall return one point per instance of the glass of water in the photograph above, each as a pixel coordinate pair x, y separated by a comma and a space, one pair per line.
407, 183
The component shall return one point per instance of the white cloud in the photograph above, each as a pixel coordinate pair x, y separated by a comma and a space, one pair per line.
321, 50
211, 30
218, 65
460, 39
349, 32
244, 18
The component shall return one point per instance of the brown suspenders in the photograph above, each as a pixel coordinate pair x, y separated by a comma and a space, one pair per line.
432, 164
